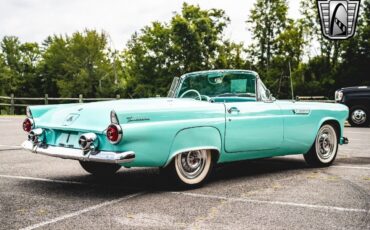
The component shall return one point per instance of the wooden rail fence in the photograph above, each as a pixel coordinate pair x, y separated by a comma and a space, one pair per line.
45, 100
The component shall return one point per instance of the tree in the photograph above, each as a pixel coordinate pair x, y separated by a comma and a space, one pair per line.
354, 68
268, 18
192, 41
79, 64
19, 67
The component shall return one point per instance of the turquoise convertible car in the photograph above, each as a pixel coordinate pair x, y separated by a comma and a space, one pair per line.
209, 117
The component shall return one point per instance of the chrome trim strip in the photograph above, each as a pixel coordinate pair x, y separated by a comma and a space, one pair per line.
301, 111
78, 154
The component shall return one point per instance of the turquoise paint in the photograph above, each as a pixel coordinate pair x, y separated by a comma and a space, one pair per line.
202, 138
255, 122
158, 128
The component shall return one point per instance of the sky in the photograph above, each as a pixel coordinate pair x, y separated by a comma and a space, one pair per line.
34, 20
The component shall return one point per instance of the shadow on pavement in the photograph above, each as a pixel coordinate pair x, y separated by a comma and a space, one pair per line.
150, 180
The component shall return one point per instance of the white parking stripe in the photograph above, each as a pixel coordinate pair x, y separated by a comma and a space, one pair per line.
43, 179
349, 167
350, 132
329, 208
350, 149
11, 146
77, 213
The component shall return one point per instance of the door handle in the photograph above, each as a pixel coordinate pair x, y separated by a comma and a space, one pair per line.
233, 109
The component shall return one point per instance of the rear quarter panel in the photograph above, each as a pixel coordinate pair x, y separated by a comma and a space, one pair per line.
156, 140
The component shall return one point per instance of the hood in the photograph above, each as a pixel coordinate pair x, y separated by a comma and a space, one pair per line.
356, 89
95, 116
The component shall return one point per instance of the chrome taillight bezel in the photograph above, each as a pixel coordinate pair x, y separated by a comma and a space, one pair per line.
120, 133
31, 122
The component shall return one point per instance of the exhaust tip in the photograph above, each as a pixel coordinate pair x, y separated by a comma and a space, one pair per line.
88, 141
35, 134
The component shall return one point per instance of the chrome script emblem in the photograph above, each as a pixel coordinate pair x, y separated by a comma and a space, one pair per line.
131, 119
70, 119
338, 18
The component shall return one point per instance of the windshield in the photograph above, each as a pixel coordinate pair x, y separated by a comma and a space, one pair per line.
218, 84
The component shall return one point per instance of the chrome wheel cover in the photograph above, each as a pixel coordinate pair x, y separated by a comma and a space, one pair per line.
326, 144
191, 164
358, 116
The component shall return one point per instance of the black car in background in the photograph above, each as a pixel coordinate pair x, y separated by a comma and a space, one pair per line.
358, 101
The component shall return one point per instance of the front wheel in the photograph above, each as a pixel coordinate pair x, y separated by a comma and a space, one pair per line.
359, 116
325, 148
100, 169
190, 169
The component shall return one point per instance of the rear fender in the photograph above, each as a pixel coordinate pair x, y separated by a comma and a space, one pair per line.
195, 138
39, 110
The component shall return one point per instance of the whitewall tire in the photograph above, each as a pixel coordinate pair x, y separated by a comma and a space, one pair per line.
191, 168
324, 150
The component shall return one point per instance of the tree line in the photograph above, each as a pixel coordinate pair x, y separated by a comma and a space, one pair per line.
84, 63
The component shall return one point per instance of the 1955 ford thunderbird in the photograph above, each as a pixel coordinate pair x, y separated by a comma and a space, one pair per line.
209, 117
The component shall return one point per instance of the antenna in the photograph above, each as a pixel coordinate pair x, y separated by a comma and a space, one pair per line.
291, 81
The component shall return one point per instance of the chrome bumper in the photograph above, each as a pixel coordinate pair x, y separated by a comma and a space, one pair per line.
344, 141
79, 154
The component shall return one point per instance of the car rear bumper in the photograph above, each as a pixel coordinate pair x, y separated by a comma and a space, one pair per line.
344, 140
79, 154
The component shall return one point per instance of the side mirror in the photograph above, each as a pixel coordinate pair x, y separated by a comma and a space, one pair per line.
268, 94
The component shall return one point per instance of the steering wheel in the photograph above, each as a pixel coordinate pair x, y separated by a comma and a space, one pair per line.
198, 94
203, 96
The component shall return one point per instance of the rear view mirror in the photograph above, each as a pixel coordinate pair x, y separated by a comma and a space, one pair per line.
215, 78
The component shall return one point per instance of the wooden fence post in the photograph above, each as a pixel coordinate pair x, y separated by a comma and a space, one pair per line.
81, 99
46, 99
118, 96
12, 104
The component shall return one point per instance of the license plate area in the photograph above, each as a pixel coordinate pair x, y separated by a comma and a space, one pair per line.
68, 140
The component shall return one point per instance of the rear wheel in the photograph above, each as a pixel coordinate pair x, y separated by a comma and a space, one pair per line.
190, 169
325, 148
359, 116
100, 169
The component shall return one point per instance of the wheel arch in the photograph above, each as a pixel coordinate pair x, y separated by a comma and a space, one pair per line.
196, 138
332, 121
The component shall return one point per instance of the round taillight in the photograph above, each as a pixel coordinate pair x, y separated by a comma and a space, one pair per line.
114, 133
27, 125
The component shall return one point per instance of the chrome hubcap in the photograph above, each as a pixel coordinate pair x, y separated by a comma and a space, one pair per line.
326, 143
191, 164
358, 116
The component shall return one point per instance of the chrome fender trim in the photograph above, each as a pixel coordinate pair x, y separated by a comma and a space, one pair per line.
79, 154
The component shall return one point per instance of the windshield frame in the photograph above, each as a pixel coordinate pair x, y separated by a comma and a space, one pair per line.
176, 90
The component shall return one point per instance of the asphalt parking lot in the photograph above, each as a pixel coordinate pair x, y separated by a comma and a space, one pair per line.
278, 193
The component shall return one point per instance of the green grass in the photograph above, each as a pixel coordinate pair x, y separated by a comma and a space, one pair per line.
4, 115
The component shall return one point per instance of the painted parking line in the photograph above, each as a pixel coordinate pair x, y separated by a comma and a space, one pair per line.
82, 211
349, 167
11, 146
351, 149
66, 182
280, 203
354, 132
358, 144
43, 179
